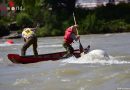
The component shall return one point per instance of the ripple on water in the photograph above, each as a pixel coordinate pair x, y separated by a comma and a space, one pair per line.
22, 81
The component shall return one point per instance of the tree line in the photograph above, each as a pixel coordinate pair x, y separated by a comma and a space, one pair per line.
54, 16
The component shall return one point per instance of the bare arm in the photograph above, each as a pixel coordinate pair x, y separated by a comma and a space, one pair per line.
34, 29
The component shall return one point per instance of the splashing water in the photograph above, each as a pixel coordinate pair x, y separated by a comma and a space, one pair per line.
1, 59
96, 57
21, 82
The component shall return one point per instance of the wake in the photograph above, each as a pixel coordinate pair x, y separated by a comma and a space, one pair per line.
96, 57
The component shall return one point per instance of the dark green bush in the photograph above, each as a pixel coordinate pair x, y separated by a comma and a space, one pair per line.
24, 19
114, 26
56, 32
3, 28
42, 32
103, 19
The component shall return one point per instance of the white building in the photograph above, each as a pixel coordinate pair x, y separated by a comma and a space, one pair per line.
95, 3
118, 1
90, 3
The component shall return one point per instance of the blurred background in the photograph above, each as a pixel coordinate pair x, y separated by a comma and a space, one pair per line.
54, 16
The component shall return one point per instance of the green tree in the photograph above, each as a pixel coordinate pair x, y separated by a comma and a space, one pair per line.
57, 5
24, 19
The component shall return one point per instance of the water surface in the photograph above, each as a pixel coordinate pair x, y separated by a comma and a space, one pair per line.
84, 73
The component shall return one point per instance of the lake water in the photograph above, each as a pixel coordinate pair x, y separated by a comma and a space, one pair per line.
83, 73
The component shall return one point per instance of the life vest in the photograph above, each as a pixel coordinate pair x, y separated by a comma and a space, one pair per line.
67, 36
27, 32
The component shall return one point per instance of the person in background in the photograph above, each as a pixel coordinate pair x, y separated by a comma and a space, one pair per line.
30, 38
71, 34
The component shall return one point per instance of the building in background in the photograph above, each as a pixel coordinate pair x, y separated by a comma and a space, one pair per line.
118, 1
90, 4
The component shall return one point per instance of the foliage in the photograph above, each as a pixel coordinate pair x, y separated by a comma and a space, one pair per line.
58, 5
42, 32
115, 26
3, 28
24, 19
54, 16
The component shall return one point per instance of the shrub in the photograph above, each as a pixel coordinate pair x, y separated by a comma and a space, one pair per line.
56, 32
88, 24
42, 32
24, 19
115, 26
3, 29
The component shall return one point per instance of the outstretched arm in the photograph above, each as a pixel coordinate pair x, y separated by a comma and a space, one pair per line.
34, 29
